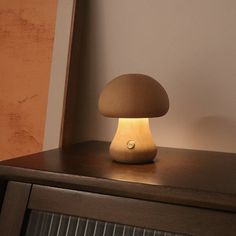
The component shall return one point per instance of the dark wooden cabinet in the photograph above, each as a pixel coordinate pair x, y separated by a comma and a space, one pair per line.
78, 190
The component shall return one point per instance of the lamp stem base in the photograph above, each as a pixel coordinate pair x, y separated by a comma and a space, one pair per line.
133, 142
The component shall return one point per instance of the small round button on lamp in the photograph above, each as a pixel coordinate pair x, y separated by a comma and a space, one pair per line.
133, 98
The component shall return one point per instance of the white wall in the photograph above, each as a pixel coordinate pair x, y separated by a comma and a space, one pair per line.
189, 46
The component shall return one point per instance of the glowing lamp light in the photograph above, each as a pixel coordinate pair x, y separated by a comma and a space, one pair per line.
133, 98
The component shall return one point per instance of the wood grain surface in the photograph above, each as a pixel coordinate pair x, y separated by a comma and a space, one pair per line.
187, 177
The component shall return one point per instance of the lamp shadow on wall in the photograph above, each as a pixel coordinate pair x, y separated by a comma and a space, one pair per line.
216, 133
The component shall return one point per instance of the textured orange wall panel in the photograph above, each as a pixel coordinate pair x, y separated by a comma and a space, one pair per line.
26, 42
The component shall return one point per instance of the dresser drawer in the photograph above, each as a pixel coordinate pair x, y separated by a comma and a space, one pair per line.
133, 212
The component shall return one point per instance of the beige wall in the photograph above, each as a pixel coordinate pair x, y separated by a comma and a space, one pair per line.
189, 46
57, 87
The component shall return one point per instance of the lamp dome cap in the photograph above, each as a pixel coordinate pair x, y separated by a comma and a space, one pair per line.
133, 96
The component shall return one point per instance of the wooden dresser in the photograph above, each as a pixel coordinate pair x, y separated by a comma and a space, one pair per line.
78, 190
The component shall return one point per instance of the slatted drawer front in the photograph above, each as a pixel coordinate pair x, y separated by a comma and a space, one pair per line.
51, 224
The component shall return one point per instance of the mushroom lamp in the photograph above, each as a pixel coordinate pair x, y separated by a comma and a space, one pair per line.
133, 98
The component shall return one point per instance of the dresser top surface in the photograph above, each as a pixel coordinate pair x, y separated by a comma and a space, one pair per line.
174, 172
